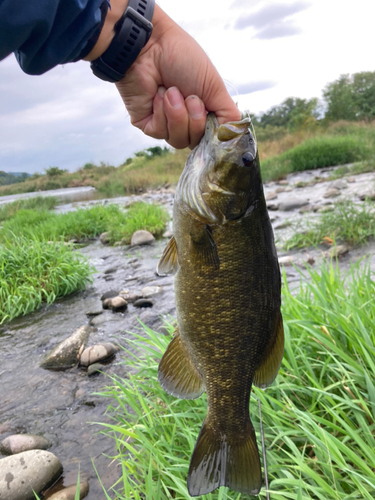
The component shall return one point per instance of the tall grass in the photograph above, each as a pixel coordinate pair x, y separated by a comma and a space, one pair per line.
8, 210
348, 222
318, 417
33, 272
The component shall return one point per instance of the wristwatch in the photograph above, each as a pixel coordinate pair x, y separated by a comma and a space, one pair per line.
133, 31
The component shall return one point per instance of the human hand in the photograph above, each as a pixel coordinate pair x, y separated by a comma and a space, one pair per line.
172, 85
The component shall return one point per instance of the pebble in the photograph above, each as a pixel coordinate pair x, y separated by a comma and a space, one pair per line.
142, 237
94, 312
109, 294
130, 296
118, 304
271, 196
286, 260
69, 493
149, 291
96, 353
65, 355
292, 204
105, 238
28, 471
110, 270
94, 368
143, 303
331, 193
17, 443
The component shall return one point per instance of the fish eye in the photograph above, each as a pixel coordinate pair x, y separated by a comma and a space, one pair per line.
247, 159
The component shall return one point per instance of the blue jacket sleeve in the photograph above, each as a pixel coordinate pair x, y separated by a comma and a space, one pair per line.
45, 33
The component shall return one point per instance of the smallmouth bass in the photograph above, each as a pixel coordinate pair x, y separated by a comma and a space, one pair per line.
228, 296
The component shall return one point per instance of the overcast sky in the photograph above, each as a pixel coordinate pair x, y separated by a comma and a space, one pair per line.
266, 51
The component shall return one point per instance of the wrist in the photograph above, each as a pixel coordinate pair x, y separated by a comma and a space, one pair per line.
114, 14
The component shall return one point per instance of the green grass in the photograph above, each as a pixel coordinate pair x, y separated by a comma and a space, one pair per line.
34, 272
86, 223
317, 152
8, 210
348, 222
355, 169
318, 417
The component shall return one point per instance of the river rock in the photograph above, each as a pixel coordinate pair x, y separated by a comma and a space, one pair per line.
130, 296
280, 189
292, 204
368, 195
69, 493
283, 182
17, 443
350, 179
286, 260
149, 291
331, 193
65, 355
339, 184
105, 238
27, 471
142, 237
118, 304
94, 368
271, 196
325, 209
143, 303
337, 251
109, 295
96, 353
168, 234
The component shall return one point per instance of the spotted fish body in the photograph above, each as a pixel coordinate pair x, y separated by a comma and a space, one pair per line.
227, 287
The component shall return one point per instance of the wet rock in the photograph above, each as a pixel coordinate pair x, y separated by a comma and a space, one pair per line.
339, 184
94, 369
97, 352
304, 209
105, 238
143, 303
283, 182
337, 251
94, 312
130, 296
149, 291
118, 304
292, 204
27, 471
65, 355
280, 189
109, 294
286, 260
271, 196
142, 237
70, 492
17, 443
368, 195
331, 193
168, 234
107, 303
110, 270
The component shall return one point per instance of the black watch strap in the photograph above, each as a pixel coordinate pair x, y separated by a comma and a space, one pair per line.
133, 31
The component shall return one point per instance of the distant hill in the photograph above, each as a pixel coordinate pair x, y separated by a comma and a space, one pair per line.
19, 174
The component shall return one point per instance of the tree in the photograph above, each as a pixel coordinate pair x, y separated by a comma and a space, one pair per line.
292, 113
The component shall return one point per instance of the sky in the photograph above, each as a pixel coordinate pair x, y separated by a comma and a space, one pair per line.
265, 50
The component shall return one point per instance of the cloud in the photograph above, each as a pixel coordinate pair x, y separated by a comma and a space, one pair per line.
250, 87
273, 21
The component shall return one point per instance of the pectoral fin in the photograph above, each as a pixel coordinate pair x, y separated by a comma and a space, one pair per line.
168, 263
266, 373
204, 248
177, 373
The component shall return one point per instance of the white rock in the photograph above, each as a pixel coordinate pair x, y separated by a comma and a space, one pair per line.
27, 471
17, 443
286, 260
149, 291
96, 353
142, 237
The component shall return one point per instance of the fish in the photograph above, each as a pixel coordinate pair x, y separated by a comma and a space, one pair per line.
228, 297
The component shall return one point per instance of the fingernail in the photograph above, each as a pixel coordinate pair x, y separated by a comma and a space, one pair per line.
194, 107
161, 91
175, 97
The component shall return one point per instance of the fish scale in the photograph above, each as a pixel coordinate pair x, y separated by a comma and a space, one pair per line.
228, 297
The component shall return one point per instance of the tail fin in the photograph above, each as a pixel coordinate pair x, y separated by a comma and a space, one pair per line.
216, 461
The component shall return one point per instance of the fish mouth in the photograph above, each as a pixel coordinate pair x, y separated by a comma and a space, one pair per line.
227, 131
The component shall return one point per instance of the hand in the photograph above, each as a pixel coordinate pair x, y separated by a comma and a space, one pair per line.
172, 85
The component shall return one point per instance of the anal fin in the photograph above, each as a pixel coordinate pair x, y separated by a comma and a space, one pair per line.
267, 371
217, 461
177, 373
